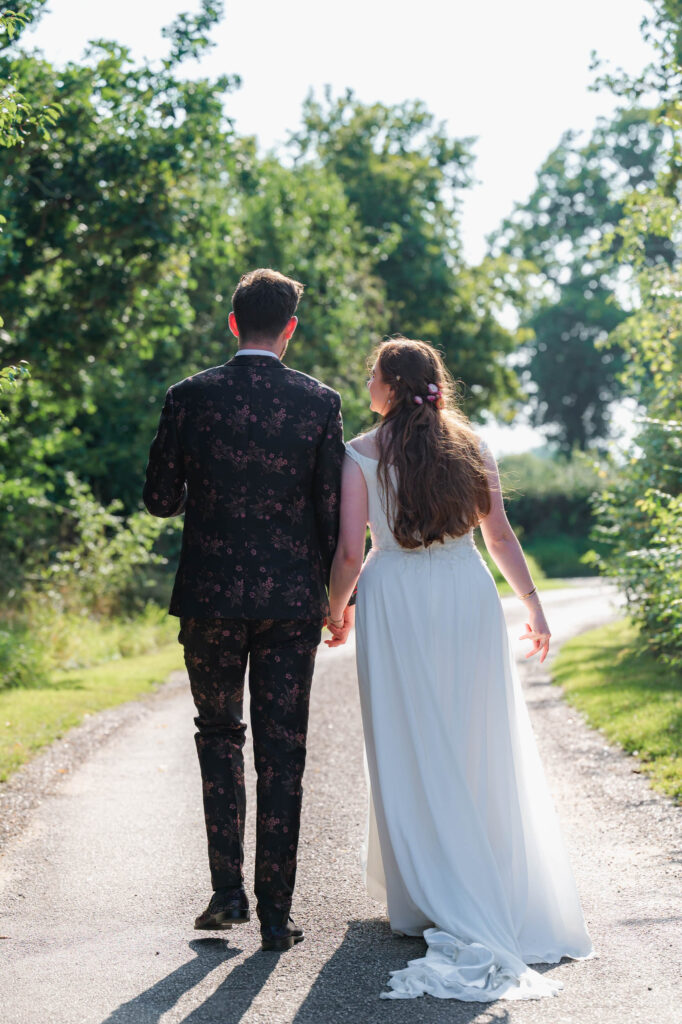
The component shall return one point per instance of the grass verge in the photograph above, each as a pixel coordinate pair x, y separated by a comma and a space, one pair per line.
634, 699
40, 640
505, 590
535, 570
31, 717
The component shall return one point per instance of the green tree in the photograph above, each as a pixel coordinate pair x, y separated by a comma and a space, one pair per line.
300, 220
573, 379
127, 232
16, 117
9, 376
95, 260
403, 177
578, 199
641, 521
96, 270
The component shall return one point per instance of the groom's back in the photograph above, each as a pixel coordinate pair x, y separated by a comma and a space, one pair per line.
260, 447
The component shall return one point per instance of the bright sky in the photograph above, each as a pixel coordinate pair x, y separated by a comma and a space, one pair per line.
514, 74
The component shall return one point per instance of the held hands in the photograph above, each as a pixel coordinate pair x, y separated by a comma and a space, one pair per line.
538, 632
340, 632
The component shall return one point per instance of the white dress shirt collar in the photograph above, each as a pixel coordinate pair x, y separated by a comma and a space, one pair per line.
256, 352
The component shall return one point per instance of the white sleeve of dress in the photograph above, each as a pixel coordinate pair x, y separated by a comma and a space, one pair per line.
352, 454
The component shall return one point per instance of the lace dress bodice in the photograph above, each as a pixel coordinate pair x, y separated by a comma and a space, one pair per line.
381, 533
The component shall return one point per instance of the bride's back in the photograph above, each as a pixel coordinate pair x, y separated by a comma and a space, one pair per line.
364, 451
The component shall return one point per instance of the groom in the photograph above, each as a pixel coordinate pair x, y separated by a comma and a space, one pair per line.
251, 451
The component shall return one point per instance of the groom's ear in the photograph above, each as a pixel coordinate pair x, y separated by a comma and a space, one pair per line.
232, 322
290, 327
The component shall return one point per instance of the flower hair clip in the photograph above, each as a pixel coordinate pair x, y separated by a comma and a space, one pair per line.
433, 396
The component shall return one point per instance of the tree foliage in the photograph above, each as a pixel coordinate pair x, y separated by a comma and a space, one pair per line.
16, 117
403, 177
128, 228
18, 113
95, 272
642, 520
566, 230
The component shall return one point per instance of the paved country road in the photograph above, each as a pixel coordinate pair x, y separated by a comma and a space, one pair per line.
99, 891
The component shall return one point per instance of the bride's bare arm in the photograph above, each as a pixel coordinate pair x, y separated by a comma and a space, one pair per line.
506, 552
350, 549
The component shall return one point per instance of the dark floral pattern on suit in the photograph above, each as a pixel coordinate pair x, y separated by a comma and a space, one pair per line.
251, 452
282, 656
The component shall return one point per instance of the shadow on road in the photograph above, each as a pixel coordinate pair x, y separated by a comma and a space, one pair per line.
227, 1004
348, 986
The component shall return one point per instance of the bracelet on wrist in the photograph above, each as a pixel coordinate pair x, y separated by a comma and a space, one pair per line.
337, 624
522, 597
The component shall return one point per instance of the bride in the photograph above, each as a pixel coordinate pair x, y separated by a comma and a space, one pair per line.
463, 842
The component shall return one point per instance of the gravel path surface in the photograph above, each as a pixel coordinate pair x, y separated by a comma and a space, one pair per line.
99, 891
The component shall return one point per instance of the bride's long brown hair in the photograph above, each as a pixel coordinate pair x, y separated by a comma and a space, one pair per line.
440, 488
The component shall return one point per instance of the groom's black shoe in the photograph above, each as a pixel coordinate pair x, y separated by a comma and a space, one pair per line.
227, 907
280, 936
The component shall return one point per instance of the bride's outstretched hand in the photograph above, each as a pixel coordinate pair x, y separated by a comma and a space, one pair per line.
538, 633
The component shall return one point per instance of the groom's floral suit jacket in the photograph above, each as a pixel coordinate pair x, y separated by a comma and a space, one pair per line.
251, 451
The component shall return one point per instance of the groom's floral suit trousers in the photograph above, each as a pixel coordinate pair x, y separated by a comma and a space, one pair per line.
251, 452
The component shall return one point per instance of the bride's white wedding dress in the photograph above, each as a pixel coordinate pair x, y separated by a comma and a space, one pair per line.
463, 841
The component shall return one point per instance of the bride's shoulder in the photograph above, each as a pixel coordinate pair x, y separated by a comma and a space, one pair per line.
484, 449
366, 444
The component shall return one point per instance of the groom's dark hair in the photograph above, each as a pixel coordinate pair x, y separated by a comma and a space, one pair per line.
263, 303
